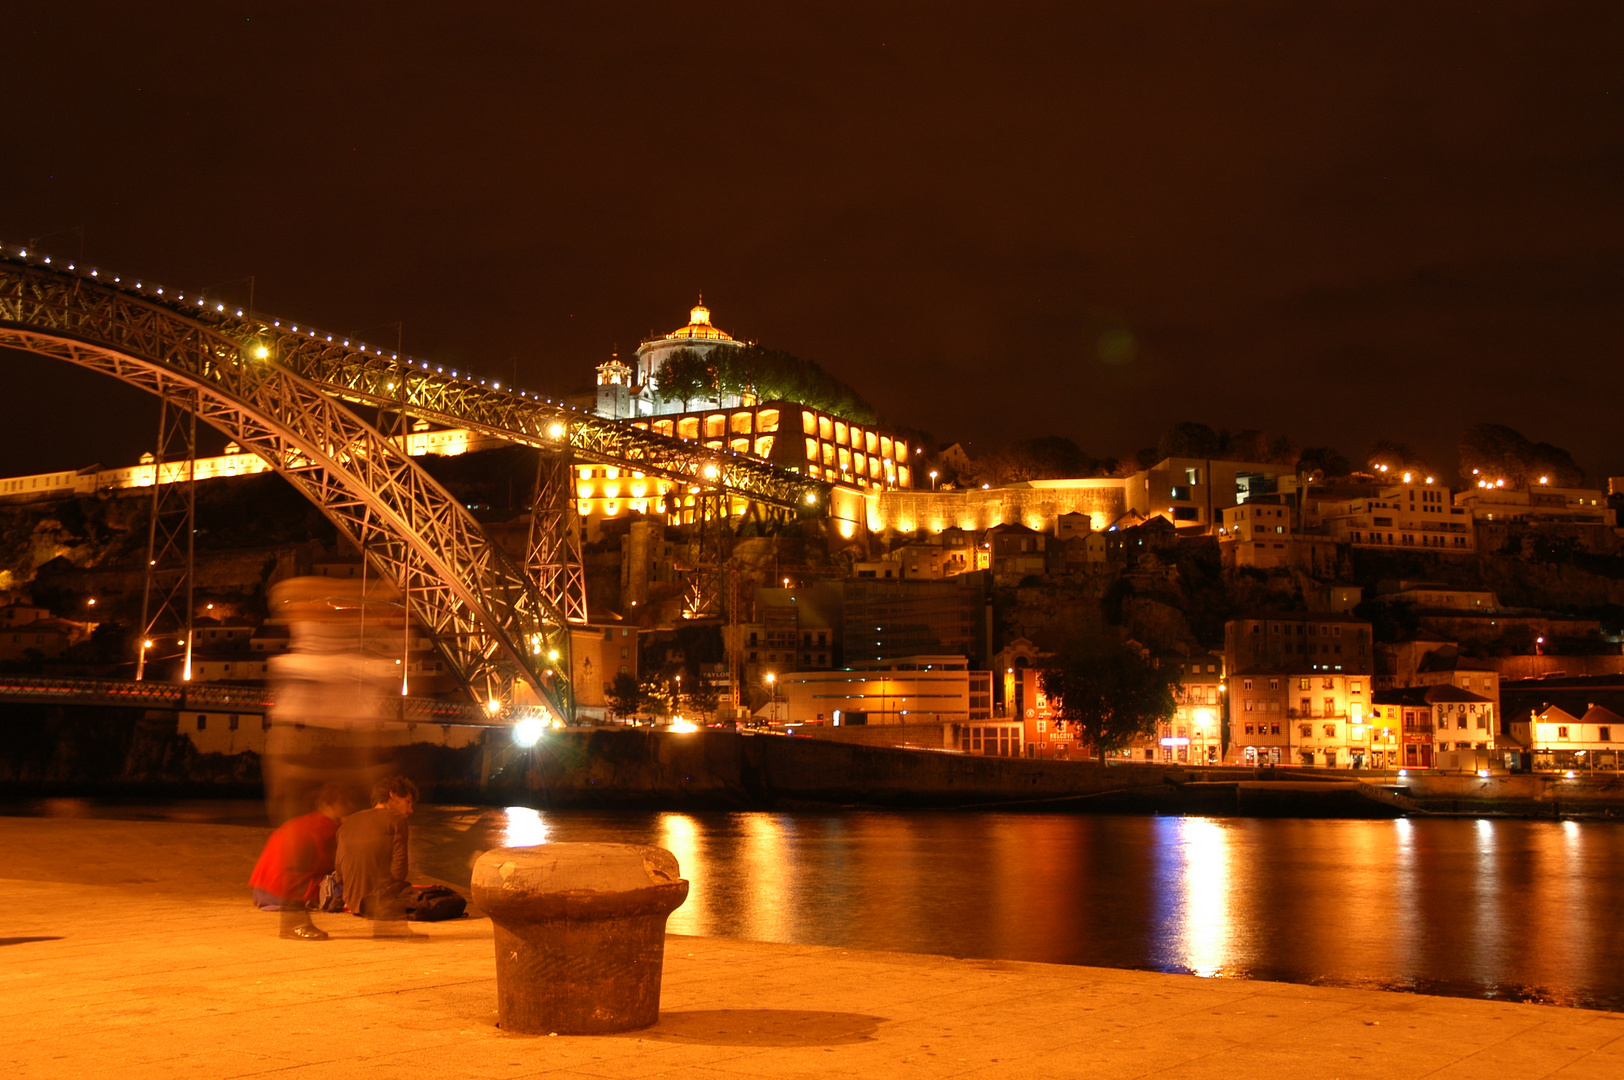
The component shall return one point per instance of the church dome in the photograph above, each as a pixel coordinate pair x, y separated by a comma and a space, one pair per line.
699, 327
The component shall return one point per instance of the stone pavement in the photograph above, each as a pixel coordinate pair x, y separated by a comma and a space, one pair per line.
129, 949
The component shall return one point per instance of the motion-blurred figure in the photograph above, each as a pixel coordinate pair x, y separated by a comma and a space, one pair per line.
297, 856
336, 691
372, 857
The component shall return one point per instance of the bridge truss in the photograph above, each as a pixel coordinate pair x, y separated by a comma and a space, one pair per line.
491, 624
275, 388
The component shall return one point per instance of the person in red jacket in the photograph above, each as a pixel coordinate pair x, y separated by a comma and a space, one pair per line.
298, 855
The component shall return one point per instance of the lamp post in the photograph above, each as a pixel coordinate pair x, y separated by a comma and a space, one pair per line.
933, 475
772, 697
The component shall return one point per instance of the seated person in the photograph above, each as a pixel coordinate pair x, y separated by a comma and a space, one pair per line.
372, 852
287, 877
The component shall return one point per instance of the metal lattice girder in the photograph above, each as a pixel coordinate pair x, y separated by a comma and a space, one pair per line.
362, 374
166, 593
553, 558
428, 393
490, 623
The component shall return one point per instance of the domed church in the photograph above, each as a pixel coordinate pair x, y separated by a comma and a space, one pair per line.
625, 391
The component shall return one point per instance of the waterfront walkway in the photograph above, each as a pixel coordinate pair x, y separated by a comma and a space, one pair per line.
129, 949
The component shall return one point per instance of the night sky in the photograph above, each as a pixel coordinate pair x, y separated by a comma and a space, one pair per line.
1340, 223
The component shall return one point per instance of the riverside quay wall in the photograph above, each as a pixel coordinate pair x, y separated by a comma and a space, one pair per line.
90, 750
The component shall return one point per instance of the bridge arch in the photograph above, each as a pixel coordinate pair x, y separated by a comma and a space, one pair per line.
497, 633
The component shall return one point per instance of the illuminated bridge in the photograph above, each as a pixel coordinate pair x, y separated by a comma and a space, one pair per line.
281, 390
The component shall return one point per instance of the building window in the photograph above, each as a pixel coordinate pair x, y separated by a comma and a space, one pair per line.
1246, 684
1330, 731
203, 723
1305, 731
231, 722
1561, 732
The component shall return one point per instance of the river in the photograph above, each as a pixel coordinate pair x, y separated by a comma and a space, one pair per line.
1491, 908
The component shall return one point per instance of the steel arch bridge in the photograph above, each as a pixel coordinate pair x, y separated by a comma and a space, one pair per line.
276, 388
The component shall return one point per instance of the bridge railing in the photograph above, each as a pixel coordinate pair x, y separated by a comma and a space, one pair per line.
224, 697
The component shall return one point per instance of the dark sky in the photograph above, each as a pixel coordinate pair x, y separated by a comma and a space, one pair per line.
1337, 222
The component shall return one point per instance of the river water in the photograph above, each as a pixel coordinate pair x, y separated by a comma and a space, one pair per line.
1496, 908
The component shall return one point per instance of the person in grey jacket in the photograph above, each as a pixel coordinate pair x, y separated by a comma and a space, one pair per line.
372, 856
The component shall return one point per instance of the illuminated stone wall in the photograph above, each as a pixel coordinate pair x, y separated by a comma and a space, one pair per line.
1036, 504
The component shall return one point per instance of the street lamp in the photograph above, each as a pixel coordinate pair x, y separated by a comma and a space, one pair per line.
933, 475
772, 696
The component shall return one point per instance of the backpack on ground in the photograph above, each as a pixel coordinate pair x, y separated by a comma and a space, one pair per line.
433, 903
330, 893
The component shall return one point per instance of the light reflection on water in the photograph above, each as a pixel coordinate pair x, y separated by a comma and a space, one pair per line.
1524, 910
1502, 908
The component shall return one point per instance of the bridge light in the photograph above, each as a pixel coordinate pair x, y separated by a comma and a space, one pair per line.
711, 472
527, 732
493, 706
811, 498
552, 654
556, 431
261, 352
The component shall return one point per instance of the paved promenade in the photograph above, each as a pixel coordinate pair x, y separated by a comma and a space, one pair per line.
129, 950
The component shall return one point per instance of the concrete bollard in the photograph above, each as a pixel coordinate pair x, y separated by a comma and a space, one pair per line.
580, 934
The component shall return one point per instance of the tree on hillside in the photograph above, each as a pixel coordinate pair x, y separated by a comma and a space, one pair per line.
1494, 452
683, 377
1108, 692
623, 695
689, 375
1188, 439
1193, 440
1325, 460
703, 698
1395, 458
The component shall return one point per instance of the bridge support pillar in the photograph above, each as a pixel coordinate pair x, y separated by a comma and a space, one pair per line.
553, 556
166, 595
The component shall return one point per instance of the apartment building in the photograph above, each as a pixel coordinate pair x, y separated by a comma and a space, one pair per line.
1414, 514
